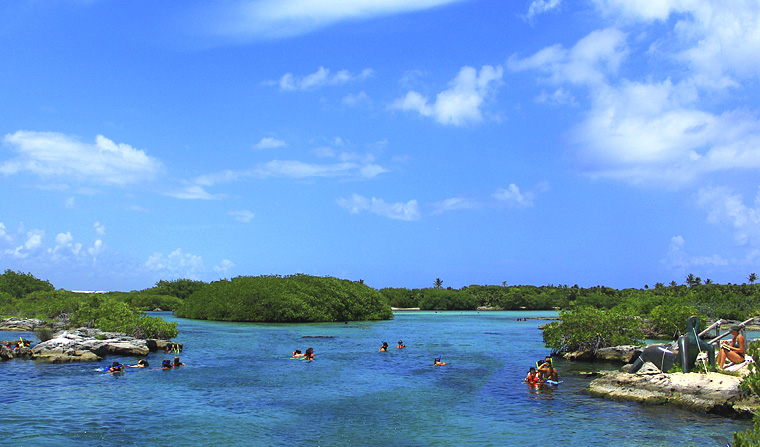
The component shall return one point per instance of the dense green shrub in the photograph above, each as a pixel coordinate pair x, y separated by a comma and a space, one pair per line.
296, 298
749, 438
401, 297
670, 319
589, 329
19, 284
447, 299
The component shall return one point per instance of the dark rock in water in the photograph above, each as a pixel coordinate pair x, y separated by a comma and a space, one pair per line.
317, 336
708, 393
5, 353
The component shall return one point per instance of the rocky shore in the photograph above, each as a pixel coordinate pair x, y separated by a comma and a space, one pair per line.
713, 393
83, 345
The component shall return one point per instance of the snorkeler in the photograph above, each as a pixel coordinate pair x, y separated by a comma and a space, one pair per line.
297, 353
548, 371
177, 363
437, 362
401, 345
166, 364
384, 347
142, 363
533, 376
116, 367
309, 354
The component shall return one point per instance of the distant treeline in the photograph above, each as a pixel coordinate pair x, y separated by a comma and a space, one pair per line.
711, 300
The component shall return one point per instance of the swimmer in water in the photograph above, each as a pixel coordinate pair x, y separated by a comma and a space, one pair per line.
142, 363
297, 353
177, 363
384, 347
166, 364
437, 362
401, 345
309, 354
533, 376
116, 367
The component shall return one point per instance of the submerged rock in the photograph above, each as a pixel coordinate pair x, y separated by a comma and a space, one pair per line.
708, 393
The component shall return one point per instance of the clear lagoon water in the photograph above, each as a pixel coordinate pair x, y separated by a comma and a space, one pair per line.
240, 387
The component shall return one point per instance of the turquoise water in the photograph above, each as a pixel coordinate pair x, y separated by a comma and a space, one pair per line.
240, 387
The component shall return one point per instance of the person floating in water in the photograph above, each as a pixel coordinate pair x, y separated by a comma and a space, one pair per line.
116, 367
547, 370
177, 363
401, 345
142, 363
734, 350
533, 377
384, 347
297, 353
166, 364
437, 362
309, 354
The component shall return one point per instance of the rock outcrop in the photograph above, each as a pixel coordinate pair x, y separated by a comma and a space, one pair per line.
84, 345
23, 324
616, 354
708, 393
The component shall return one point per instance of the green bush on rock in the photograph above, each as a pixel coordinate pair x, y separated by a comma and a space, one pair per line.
296, 298
590, 329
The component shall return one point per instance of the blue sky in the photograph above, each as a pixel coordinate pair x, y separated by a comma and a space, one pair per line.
612, 142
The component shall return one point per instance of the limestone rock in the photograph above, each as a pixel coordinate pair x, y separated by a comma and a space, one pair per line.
622, 354
710, 393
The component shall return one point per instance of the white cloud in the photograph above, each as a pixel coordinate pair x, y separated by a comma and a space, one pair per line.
100, 229
50, 154
588, 62
461, 103
273, 19
541, 6
726, 208
320, 78
244, 216
176, 265
678, 259
454, 204
225, 266
192, 192
400, 210
269, 143
356, 99
512, 196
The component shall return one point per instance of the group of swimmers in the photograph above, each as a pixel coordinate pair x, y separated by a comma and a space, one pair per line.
21, 343
543, 372
308, 355
117, 367
384, 348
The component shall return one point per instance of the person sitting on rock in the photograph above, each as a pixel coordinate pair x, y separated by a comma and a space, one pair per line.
177, 363
733, 351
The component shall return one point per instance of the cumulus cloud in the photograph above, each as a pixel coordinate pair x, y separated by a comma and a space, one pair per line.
320, 78
176, 265
192, 192
512, 196
679, 260
225, 266
274, 19
269, 143
244, 216
541, 6
55, 155
399, 211
726, 208
461, 103
356, 99
588, 62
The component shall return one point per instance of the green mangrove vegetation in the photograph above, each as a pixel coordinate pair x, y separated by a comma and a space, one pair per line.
296, 298
23, 295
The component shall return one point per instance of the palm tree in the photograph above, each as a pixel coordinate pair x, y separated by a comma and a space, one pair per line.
752, 278
438, 283
690, 280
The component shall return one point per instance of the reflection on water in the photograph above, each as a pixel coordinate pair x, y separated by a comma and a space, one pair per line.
240, 387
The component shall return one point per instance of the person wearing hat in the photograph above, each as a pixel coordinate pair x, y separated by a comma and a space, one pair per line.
733, 351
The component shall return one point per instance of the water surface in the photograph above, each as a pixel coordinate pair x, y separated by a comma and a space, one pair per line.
240, 387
